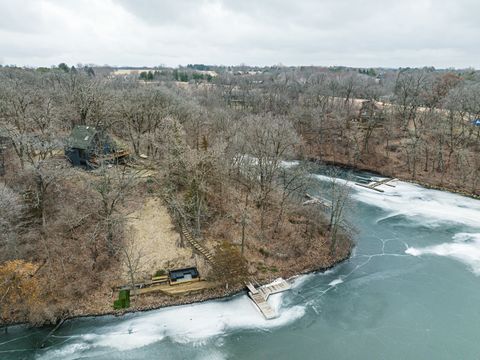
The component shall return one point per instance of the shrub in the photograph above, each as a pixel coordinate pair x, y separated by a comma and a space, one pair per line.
160, 272
264, 252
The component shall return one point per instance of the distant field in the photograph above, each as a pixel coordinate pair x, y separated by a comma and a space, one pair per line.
130, 71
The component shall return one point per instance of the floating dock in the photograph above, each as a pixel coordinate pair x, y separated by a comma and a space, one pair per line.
260, 295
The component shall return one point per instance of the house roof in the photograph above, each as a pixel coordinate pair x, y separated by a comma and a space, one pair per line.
82, 137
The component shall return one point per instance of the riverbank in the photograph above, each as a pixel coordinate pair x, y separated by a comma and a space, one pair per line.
157, 301
152, 302
426, 184
291, 240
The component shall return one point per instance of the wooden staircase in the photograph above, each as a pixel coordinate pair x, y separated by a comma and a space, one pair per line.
194, 243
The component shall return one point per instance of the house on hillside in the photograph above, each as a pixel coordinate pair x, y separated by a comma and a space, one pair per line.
370, 111
86, 146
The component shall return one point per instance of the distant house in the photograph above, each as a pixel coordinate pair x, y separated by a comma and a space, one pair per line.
85, 144
370, 111
476, 122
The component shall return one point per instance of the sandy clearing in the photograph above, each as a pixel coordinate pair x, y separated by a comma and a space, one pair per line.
152, 235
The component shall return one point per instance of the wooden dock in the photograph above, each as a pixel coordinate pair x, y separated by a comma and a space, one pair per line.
374, 184
260, 295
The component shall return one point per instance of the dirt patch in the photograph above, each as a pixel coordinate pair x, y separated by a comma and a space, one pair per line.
154, 241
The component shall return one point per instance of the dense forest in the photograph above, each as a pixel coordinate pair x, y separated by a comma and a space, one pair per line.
212, 143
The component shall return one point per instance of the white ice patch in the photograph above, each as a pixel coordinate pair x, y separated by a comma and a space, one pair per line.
464, 248
430, 207
195, 323
70, 351
335, 282
299, 280
330, 179
248, 160
289, 164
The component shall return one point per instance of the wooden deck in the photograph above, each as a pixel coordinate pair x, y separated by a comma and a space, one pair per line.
260, 295
264, 307
177, 290
115, 156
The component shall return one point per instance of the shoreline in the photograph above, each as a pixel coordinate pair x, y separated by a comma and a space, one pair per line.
188, 300
399, 177
219, 293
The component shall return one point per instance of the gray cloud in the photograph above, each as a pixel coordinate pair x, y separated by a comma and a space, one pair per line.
442, 33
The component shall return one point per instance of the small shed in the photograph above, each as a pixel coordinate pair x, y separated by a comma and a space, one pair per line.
85, 143
183, 275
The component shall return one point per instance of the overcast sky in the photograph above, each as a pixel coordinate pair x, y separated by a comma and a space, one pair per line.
390, 33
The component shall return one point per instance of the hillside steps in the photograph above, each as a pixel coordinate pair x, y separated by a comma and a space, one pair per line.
194, 243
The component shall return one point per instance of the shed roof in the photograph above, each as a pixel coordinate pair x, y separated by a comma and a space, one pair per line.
180, 273
82, 137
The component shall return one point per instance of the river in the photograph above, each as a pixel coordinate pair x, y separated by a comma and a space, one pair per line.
410, 291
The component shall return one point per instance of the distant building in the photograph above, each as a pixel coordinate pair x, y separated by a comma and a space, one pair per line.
476, 122
370, 111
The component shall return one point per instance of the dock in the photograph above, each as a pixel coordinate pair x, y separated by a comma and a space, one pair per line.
374, 184
260, 295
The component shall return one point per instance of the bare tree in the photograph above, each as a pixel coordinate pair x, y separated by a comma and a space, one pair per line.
267, 140
46, 171
409, 87
134, 259
340, 194
293, 181
11, 211
17, 93
113, 186
86, 99
142, 111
